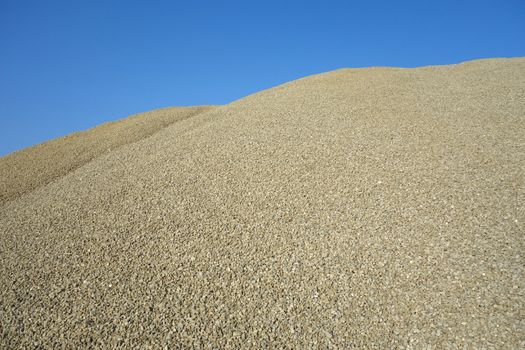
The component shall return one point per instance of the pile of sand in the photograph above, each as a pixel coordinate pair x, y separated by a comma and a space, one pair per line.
376, 207
33, 167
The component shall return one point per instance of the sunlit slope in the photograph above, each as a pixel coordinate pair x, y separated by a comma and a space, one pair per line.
33, 167
369, 208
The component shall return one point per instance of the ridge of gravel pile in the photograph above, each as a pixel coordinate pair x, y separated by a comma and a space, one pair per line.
360, 208
30, 168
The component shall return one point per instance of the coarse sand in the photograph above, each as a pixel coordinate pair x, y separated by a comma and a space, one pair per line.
36, 166
360, 208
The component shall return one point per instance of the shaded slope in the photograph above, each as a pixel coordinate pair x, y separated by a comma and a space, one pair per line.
39, 165
359, 208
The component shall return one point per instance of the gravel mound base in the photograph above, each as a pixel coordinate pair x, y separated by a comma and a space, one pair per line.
361, 208
30, 168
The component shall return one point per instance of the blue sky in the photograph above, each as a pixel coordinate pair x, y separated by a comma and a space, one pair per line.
69, 65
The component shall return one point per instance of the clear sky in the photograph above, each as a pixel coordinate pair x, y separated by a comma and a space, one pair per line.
69, 65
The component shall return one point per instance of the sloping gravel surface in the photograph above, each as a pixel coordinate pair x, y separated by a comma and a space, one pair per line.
361, 208
33, 167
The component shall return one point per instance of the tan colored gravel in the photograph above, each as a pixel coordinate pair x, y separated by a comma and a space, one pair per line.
361, 208
30, 168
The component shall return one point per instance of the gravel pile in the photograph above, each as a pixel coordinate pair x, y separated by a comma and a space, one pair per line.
36, 166
361, 208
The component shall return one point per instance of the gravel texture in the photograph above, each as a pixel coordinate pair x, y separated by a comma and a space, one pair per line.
361, 208
33, 167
